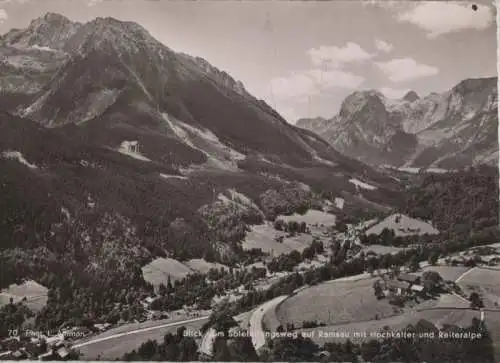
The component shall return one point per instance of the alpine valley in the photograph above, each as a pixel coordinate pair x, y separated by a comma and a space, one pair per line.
103, 128
151, 208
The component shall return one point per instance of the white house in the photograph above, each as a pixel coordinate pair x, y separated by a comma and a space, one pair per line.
131, 146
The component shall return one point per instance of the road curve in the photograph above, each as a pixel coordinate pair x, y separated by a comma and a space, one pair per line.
256, 331
207, 343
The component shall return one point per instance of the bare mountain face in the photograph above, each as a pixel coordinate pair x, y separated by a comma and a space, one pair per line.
104, 119
450, 130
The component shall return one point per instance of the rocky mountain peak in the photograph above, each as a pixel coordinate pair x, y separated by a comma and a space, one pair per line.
53, 18
471, 85
452, 128
51, 30
411, 96
362, 100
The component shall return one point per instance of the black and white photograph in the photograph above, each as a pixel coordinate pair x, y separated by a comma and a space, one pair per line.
249, 181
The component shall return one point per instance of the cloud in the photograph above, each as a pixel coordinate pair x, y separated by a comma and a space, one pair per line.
91, 3
2, 2
393, 92
405, 69
383, 46
387, 4
336, 56
288, 113
303, 84
294, 86
12, 1
3, 16
440, 17
335, 78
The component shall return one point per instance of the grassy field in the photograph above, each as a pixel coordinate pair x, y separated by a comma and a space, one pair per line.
445, 314
395, 323
35, 294
262, 237
448, 273
382, 250
200, 265
335, 303
311, 217
159, 269
405, 227
485, 282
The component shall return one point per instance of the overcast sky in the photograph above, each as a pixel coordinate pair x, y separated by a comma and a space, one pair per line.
304, 58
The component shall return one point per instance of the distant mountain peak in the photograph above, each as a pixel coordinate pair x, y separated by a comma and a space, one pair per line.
54, 17
475, 84
361, 99
428, 131
411, 96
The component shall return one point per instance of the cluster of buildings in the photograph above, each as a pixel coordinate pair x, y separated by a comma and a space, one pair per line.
37, 345
35, 348
403, 285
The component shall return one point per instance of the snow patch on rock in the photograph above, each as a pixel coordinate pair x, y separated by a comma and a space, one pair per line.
437, 170
219, 155
16, 155
362, 184
44, 48
410, 170
169, 176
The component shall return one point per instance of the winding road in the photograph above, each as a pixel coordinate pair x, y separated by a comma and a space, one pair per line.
207, 343
256, 329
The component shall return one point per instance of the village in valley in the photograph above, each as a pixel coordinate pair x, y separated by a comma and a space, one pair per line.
398, 289
333, 208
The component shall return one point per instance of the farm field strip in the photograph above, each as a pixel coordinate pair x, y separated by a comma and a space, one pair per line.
335, 303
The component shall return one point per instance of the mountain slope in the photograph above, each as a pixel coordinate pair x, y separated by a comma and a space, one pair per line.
114, 148
117, 84
451, 130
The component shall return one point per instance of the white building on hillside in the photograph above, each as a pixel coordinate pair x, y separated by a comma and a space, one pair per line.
131, 146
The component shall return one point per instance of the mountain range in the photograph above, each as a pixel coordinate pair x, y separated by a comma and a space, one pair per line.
102, 125
450, 130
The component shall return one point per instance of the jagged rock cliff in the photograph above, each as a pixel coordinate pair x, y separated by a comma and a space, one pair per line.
453, 129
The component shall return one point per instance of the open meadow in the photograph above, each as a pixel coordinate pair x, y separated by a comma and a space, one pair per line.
158, 271
311, 217
448, 273
484, 281
263, 237
382, 250
403, 225
202, 266
323, 335
35, 294
335, 303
